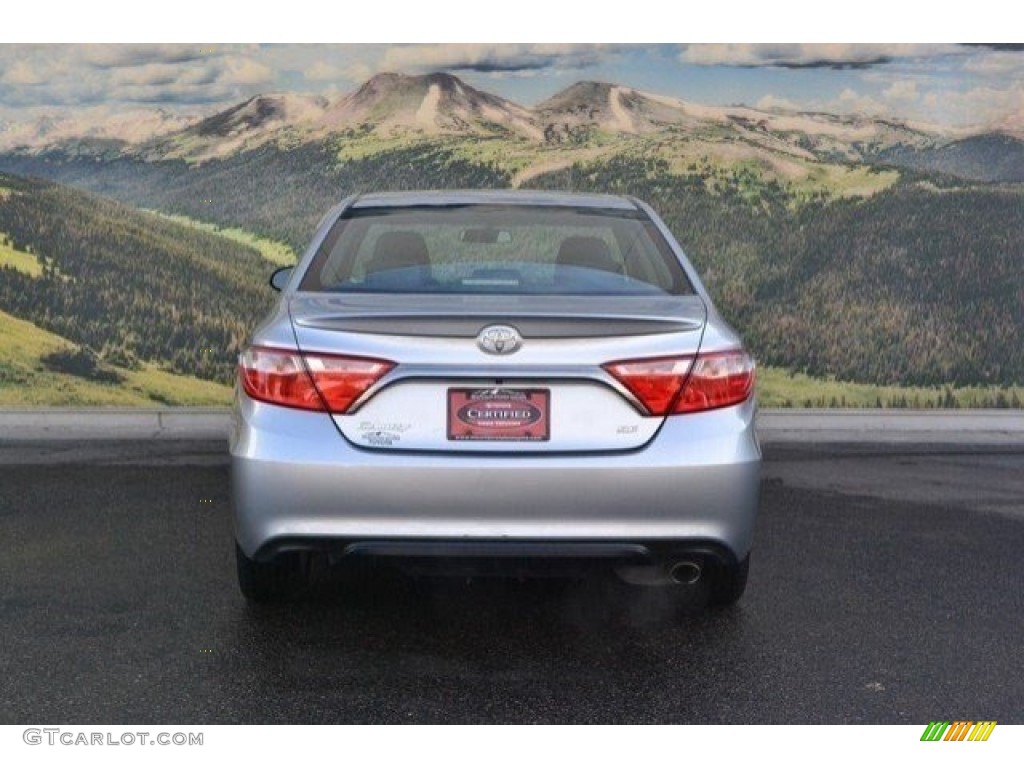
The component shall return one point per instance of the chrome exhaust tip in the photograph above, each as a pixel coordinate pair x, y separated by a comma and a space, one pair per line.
685, 572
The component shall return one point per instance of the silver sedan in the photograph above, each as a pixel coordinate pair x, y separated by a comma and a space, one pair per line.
482, 378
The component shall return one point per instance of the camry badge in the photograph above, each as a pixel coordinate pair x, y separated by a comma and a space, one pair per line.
499, 340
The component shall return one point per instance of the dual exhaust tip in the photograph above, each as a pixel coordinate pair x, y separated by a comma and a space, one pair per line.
685, 572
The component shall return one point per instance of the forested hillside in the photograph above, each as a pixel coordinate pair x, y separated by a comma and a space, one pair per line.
127, 285
988, 157
914, 285
39, 368
919, 283
280, 194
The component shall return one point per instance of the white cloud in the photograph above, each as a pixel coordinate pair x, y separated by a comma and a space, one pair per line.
996, 63
850, 101
902, 90
332, 72
132, 55
807, 54
78, 76
22, 73
495, 57
240, 70
771, 102
322, 70
193, 73
979, 107
982, 105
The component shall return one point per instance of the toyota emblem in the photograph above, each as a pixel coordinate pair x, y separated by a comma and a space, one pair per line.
499, 340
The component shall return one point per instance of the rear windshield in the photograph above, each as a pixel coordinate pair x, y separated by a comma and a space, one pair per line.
480, 249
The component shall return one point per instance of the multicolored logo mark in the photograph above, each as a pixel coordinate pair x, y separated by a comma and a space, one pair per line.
959, 730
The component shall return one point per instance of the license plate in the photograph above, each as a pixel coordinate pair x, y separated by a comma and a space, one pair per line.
512, 415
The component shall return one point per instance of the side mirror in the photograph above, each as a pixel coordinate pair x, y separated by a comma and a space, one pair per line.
280, 278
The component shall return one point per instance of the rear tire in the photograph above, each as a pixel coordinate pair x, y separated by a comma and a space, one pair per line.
728, 583
277, 580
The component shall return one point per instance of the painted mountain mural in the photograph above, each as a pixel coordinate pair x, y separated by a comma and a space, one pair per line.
867, 261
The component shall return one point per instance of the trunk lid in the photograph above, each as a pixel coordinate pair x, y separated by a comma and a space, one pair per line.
448, 394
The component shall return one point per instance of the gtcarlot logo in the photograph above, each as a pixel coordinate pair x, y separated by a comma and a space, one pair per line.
67, 738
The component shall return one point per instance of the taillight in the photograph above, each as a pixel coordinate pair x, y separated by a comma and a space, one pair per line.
279, 377
313, 382
655, 383
718, 379
687, 384
342, 380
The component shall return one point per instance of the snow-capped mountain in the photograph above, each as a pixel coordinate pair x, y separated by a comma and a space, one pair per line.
440, 106
437, 103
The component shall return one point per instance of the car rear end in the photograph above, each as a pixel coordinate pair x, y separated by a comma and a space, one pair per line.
490, 376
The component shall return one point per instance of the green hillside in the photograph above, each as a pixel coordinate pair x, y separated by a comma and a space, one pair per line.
846, 272
131, 287
26, 380
18, 260
919, 284
273, 251
272, 192
778, 388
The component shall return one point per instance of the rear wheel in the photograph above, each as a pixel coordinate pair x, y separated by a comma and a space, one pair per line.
285, 576
728, 582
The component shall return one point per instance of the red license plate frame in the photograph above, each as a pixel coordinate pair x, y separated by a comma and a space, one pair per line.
499, 414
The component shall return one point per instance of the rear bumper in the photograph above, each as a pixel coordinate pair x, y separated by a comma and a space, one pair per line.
297, 481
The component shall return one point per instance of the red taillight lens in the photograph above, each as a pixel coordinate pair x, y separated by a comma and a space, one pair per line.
656, 383
279, 377
312, 382
342, 380
718, 379
685, 384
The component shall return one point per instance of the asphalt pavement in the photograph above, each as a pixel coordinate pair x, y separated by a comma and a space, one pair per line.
886, 586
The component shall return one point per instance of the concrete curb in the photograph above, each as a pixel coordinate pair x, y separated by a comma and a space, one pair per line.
979, 427
1004, 427
113, 423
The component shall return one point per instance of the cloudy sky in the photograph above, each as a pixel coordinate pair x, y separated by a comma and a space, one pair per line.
946, 84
